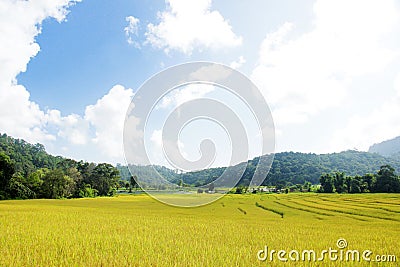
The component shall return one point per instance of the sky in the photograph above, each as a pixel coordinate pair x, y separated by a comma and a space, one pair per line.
328, 69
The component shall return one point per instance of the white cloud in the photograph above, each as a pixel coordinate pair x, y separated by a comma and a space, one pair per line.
396, 84
20, 23
382, 123
99, 130
156, 137
189, 92
301, 76
238, 63
187, 25
362, 131
131, 31
72, 127
107, 117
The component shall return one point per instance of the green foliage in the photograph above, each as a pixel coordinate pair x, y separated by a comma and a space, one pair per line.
387, 181
384, 181
57, 185
287, 168
104, 179
133, 183
87, 191
6, 172
298, 168
27, 157
17, 188
327, 183
151, 176
27, 171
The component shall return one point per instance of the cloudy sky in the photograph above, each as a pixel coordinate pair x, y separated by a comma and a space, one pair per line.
329, 69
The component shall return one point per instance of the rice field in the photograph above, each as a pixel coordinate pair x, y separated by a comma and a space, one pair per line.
234, 231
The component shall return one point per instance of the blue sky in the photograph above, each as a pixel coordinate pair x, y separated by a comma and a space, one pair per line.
330, 70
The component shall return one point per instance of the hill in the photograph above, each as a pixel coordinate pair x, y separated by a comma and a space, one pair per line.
27, 157
287, 167
388, 148
28, 171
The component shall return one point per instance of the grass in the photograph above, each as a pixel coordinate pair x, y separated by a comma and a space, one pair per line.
139, 231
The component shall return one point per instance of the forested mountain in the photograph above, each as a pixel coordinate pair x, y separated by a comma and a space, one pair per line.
287, 167
389, 148
27, 158
27, 171
149, 176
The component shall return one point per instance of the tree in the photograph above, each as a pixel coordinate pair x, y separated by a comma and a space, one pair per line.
307, 186
78, 182
35, 180
7, 169
387, 181
57, 185
104, 179
338, 182
87, 191
370, 181
355, 185
133, 183
17, 187
327, 185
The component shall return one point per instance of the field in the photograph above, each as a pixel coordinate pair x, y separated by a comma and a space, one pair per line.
139, 231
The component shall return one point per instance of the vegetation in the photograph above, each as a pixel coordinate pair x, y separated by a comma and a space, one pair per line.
288, 169
384, 181
27, 171
138, 231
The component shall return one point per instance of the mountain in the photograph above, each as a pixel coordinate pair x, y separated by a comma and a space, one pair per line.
389, 148
28, 171
27, 157
287, 167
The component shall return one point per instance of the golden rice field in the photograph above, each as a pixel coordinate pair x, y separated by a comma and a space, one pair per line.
139, 231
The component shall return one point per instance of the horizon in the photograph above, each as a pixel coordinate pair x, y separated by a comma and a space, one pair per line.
124, 164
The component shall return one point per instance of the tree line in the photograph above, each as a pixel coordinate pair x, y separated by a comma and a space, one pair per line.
27, 171
384, 181
288, 169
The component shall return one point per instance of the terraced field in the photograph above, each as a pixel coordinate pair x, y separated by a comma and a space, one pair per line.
234, 231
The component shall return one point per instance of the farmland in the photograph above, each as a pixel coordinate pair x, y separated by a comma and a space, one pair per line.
137, 230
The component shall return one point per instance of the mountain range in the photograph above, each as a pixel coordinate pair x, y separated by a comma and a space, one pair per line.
287, 167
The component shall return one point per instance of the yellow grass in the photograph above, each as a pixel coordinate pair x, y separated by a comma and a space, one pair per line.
139, 231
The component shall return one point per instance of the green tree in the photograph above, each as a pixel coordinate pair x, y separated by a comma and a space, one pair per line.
78, 181
327, 185
104, 179
17, 187
387, 181
369, 180
35, 180
338, 181
87, 191
7, 169
355, 185
133, 183
57, 185
307, 186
